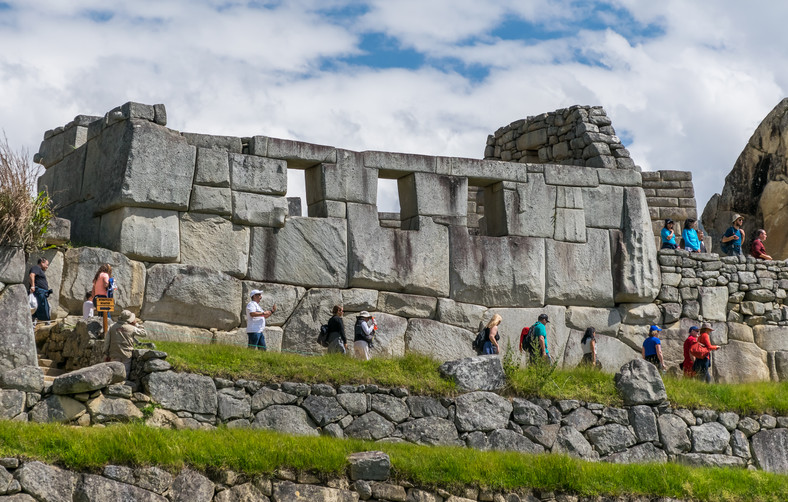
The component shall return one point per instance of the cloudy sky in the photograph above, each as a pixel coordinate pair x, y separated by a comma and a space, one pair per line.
685, 82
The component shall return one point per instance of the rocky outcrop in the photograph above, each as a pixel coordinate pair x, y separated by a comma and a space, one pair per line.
475, 373
757, 186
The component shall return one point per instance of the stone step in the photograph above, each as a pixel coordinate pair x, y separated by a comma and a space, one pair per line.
53, 372
49, 378
44, 363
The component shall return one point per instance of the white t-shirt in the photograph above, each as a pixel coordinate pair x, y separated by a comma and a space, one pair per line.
87, 309
254, 324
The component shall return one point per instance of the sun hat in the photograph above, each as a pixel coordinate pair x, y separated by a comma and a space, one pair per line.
364, 313
706, 326
736, 216
654, 327
255, 292
127, 316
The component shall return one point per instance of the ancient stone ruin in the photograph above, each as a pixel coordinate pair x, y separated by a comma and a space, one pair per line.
757, 187
193, 223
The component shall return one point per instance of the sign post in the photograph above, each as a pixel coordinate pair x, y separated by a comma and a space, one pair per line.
105, 305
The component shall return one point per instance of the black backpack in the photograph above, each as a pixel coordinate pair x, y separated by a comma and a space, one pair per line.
478, 342
322, 338
531, 342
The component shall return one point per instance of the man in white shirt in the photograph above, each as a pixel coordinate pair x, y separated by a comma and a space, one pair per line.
255, 320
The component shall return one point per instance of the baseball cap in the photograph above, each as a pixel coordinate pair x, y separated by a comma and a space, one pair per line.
543, 316
693, 328
255, 292
654, 327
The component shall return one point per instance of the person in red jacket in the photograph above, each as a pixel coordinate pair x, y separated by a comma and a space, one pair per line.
688, 358
702, 365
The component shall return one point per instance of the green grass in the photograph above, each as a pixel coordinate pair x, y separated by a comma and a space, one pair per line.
262, 452
420, 375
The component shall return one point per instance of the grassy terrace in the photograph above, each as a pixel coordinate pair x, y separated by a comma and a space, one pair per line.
420, 375
262, 452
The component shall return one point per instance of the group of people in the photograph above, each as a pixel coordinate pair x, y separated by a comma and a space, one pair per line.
730, 244
697, 351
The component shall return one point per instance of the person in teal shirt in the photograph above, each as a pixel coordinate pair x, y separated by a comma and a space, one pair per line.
690, 236
540, 331
668, 236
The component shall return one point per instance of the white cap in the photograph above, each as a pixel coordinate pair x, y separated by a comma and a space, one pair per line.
255, 292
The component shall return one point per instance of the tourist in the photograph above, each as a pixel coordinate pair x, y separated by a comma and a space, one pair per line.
668, 236
652, 348
689, 236
101, 284
733, 237
255, 321
539, 331
701, 237
702, 352
87, 306
363, 335
588, 343
491, 343
689, 359
758, 250
337, 342
120, 339
40, 289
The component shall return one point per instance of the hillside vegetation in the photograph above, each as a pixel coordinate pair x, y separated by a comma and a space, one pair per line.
419, 374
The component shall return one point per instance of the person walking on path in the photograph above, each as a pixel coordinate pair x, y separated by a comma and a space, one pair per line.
588, 343
652, 348
668, 236
702, 352
363, 334
337, 342
758, 250
689, 236
539, 331
40, 289
689, 359
733, 237
255, 321
491, 343
120, 339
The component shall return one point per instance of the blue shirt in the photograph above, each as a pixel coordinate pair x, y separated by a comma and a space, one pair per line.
691, 241
650, 344
733, 246
665, 233
539, 330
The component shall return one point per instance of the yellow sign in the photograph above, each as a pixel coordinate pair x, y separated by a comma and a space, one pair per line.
105, 304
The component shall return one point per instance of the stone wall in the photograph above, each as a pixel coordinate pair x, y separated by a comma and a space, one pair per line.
17, 348
578, 135
670, 194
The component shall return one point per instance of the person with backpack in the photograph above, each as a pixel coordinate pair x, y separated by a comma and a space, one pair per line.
538, 338
733, 237
337, 342
701, 350
491, 343
363, 335
588, 343
652, 348
689, 359
255, 320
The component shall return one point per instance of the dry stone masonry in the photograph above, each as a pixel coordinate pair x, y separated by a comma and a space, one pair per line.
670, 194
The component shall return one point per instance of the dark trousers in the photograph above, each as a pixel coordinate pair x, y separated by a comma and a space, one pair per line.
256, 341
701, 369
653, 359
42, 312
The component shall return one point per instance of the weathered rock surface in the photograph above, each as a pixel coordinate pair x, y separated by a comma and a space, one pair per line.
182, 391
370, 426
770, 449
369, 465
568, 281
97, 488
19, 346
508, 440
191, 486
12, 403
430, 430
300, 331
639, 382
24, 378
287, 419
673, 433
88, 379
438, 340
46, 482
142, 233
193, 296
481, 411
731, 358
215, 243
291, 492
636, 275
475, 373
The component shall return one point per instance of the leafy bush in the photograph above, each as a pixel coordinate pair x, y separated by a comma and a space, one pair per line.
23, 216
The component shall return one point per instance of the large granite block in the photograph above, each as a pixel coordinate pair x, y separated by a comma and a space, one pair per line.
396, 260
730, 361
80, 266
213, 200
397, 164
208, 141
191, 296
424, 194
604, 205
482, 172
142, 233
12, 265
580, 274
347, 180
63, 181
440, 341
523, 209
575, 176
249, 173
497, 271
297, 153
309, 252
19, 344
636, 273
138, 163
771, 338
215, 243
212, 168
259, 210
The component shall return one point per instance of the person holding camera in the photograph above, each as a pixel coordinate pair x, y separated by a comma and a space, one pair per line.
364, 334
40, 289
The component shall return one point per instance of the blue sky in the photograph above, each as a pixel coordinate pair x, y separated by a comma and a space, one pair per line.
685, 82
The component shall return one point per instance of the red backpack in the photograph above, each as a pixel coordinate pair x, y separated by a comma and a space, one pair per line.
699, 351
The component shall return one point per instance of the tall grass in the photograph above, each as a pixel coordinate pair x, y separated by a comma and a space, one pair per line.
262, 452
23, 216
